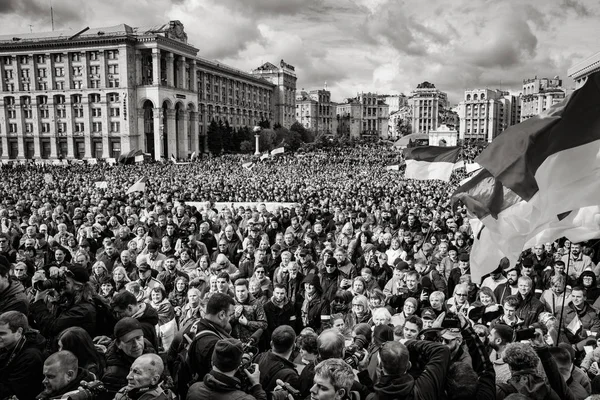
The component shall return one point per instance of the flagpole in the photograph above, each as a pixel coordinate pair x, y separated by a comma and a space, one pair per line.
562, 309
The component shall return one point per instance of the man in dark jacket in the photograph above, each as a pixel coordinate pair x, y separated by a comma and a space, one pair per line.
128, 345
12, 293
331, 279
221, 382
276, 364
530, 307
62, 375
397, 383
213, 327
278, 310
314, 309
125, 304
21, 358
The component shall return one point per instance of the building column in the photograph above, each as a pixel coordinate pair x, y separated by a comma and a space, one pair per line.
155, 68
70, 147
193, 72
181, 63
53, 147
138, 67
103, 74
183, 144
85, 70
170, 76
157, 116
140, 130
105, 107
87, 128
172, 134
21, 128
193, 126
36, 123
4, 130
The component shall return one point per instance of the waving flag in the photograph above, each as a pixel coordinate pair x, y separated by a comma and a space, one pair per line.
539, 177
139, 186
264, 156
101, 184
430, 162
248, 165
279, 150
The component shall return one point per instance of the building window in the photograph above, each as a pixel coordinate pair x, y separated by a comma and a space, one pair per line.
42, 85
45, 127
41, 59
27, 113
59, 71
115, 112
44, 113
78, 112
77, 71
8, 60
97, 127
94, 98
78, 127
115, 149
12, 114
93, 55
94, 84
113, 97
75, 57
76, 85
113, 69
12, 128
96, 112
24, 59
113, 54
94, 69
61, 127
58, 58
28, 127
115, 127
61, 113
25, 73
113, 83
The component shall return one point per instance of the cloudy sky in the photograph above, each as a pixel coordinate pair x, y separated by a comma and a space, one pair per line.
385, 46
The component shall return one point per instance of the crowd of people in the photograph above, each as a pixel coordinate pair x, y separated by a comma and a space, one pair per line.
360, 289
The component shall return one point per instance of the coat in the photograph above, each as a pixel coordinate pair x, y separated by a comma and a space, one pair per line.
218, 386
22, 376
118, 365
588, 317
13, 298
529, 309
273, 367
254, 313
82, 314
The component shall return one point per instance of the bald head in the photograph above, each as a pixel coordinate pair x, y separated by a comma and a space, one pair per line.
146, 370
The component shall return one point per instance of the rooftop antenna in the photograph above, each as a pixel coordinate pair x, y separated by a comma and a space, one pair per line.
52, 15
325, 85
31, 28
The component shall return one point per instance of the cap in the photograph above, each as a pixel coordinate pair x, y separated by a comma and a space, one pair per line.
227, 355
428, 314
276, 247
527, 262
303, 253
152, 246
504, 264
143, 267
78, 273
463, 257
451, 333
127, 328
401, 265
331, 262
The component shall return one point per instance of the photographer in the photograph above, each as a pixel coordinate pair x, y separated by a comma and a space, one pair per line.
75, 306
143, 381
220, 382
62, 375
276, 364
12, 292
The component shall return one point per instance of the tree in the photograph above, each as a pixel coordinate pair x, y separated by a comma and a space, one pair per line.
247, 147
403, 126
227, 135
264, 123
215, 143
267, 140
291, 139
306, 135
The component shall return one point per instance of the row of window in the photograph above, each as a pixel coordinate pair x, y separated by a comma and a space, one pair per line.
60, 57
60, 99
62, 148
59, 72
61, 127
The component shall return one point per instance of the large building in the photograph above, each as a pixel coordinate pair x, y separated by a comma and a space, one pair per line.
106, 91
284, 101
426, 102
394, 101
581, 70
485, 113
364, 116
539, 95
315, 111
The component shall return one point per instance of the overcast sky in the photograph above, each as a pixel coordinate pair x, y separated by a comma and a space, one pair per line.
384, 46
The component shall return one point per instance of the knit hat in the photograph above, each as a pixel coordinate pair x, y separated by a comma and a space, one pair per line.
127, 328
152, 246
382, 334
227, 355
331, 262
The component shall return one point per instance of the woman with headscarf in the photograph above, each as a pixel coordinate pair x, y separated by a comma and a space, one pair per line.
315, 310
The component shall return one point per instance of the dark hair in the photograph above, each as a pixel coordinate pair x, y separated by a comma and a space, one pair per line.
461, 381
308, 342
241, 282
223, 275
561, 355
279, 286
511, 300
504, 332
4, 269
394, 358
363, 329
123, 300
158, 289
580, 289
76, 340
413, 319
219, 302
283, 338
14, 320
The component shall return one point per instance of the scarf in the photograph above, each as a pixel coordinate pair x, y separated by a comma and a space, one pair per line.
308, 298
281, 303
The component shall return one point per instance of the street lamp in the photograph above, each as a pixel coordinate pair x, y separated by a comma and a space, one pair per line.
256, 131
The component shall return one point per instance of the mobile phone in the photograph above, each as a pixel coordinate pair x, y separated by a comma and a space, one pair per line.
524, 334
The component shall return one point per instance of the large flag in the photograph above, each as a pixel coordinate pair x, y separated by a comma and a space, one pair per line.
575, 325
139, 158
393, 168
472, 167
539, 177
139, 186
264, 156
101, 184
248, 165
279, 150
430, 162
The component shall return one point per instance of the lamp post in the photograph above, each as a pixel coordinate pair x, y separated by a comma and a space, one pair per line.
256, 131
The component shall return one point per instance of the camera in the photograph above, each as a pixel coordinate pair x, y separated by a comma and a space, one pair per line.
287, 390
450, 321
250, 350
356, 351
52, 283
87, 391
524, 334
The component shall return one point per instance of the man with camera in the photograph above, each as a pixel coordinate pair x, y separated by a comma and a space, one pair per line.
143, 381
221, 382
75, 304
276, 364
12, 292
63, 375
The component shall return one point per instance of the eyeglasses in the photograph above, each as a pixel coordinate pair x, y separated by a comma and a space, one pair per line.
462, 294
260, 272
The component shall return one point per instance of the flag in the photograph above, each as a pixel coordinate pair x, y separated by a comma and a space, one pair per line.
279, 150
458, 165
139, 158
264, 156
430, 162
139, 186
248, 165
472, 167
575, 325
173, 159
539, 177
393, 168
101, 184
193, 157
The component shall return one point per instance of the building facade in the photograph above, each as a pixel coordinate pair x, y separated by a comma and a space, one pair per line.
284, 96
539, 95
108, 91
443, 136
364, 116
426, 102
395, 102
315, 111
581, 70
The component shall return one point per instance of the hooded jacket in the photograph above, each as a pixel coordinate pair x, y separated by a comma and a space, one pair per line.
273, 367
218, 386
22, 377
13, 298
592, 292
430, 383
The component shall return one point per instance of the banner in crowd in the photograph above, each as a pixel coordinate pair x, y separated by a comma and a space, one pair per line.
279, 150
220, 205
101, 184
537, 178
430, 162
139, 186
